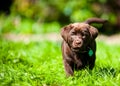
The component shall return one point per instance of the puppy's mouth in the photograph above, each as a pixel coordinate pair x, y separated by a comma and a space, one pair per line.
77, 46
77, 49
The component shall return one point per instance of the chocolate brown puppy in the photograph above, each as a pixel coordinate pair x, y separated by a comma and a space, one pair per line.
79, 46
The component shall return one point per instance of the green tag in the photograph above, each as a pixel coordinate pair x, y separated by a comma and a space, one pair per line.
90, 53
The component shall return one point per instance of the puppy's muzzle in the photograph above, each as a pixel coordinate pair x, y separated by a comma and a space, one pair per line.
77, 43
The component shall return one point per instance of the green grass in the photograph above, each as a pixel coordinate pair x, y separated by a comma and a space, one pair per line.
40, 64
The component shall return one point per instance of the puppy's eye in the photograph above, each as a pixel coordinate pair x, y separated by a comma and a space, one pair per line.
85, 31
83, 35
73, 33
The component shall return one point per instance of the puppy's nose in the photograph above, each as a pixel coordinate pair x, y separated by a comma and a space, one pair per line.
78, 42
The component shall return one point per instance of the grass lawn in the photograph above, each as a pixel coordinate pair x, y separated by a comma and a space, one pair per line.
40, 64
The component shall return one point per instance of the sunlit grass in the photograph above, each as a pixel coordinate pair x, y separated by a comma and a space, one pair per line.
40, 63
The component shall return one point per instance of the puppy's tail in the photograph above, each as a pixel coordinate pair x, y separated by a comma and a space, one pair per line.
95, 20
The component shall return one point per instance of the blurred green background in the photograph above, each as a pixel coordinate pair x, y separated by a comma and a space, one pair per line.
41, 16
30, 44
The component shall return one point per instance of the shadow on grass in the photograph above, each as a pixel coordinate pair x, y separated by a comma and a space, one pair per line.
109, 71
98, 72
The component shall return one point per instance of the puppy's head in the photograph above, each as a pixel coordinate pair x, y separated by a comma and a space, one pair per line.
78, 35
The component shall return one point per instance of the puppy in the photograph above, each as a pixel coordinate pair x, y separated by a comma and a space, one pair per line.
79, 46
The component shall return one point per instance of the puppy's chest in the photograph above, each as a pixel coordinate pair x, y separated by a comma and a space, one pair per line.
81, 59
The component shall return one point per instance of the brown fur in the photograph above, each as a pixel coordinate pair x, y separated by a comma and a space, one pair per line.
78, 41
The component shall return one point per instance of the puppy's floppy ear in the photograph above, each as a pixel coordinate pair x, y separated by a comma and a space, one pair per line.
65, 31
93, 32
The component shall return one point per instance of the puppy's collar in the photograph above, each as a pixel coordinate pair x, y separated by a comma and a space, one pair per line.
89, 51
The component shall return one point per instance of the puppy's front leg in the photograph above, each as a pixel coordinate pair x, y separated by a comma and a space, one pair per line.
68, 68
